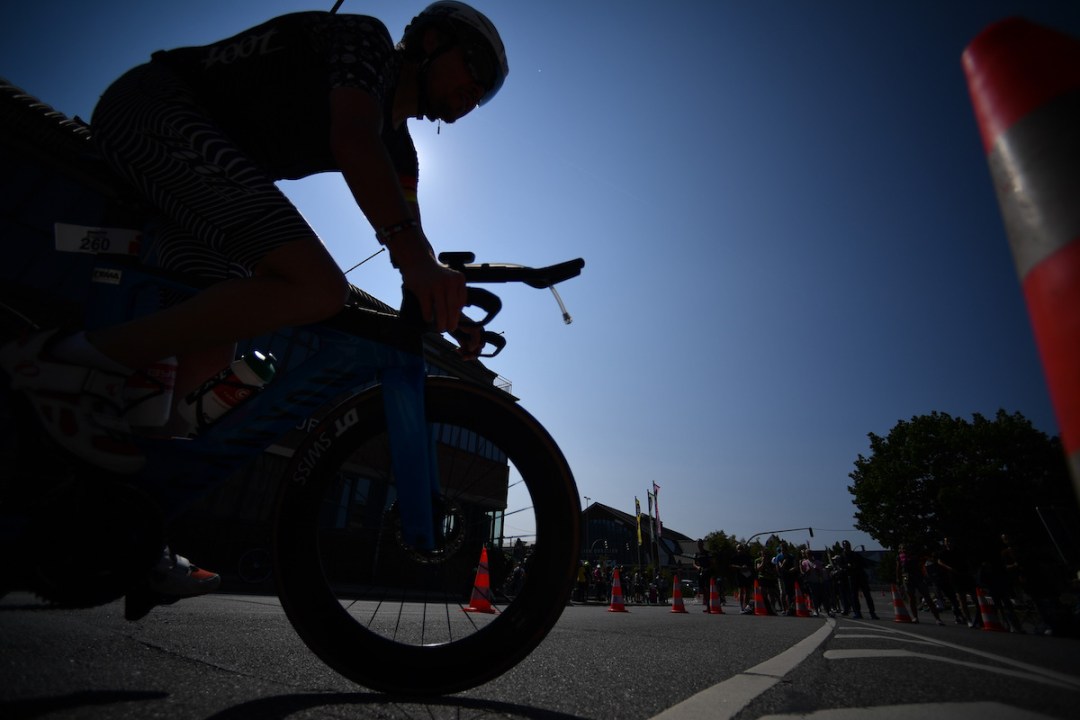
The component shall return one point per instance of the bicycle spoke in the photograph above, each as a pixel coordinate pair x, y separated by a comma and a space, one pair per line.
391, 588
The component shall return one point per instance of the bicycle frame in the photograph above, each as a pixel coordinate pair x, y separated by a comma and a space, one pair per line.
181, 470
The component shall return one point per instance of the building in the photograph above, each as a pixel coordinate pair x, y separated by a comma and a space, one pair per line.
611, 536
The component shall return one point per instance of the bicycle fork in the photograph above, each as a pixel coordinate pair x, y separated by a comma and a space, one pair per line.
414, 456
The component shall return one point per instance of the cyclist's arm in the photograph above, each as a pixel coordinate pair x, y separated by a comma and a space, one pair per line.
355, 139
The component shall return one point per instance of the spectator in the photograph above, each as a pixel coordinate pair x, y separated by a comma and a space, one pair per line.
910, 568
838, 582
661, 585
936, 581
958, 581
1026, 577
639, 586
704, 565
812, 576
992, 579
785, 580
766, 577
858, 581
582, 581
516, 580
743, 565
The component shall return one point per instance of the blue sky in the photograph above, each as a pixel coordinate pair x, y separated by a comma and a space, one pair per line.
790, 232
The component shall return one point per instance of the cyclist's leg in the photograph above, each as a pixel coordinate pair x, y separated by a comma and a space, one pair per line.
280, 293
174, 248
153, 131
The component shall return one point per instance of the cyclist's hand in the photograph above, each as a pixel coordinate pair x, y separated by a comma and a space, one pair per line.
439, 290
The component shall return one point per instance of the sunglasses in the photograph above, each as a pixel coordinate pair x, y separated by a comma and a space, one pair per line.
481, 67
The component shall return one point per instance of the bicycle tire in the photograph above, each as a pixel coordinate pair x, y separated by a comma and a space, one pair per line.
365, 613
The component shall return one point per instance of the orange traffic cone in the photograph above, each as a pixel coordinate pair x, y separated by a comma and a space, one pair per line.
802, 608
1021, 78
900, 613
759, 601
677, 605
714, 599
616, 594
481, 592
988, 611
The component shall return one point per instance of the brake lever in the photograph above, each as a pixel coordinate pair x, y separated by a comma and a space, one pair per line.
486, 300
494, 339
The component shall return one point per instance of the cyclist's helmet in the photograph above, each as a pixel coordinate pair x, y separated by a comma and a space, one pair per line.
468, 28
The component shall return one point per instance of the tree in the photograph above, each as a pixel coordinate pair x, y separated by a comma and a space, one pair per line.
936, 475
721, 546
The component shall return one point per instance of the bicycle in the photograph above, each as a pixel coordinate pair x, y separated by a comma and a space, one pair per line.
381, 517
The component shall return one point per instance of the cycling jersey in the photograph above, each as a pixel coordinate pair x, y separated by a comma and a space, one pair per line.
269, 87
204, 132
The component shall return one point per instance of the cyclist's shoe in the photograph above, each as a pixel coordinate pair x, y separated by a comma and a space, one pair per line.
173, 578
176, 577
79, 407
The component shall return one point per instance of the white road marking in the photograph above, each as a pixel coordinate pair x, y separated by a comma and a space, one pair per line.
725, 699
873, 636
865, 654
1071, 681
921, 711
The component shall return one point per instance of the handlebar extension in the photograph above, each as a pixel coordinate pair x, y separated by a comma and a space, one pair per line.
540, 278
543, 277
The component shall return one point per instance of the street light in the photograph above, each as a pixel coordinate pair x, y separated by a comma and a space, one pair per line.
777, 532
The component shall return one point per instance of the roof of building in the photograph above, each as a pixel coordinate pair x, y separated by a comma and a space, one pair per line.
630, 520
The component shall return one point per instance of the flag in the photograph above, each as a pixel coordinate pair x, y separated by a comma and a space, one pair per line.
637, 512
652, 527
656, 494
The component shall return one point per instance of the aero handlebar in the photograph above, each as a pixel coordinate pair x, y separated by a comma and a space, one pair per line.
543, 277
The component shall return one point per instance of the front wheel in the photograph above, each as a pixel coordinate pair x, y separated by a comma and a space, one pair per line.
403, 620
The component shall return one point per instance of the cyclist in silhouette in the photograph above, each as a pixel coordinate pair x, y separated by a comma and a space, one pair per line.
202, 134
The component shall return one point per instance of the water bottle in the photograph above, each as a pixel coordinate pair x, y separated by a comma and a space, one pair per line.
237, 382
148, 394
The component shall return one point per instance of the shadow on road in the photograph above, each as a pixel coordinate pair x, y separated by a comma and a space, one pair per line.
37, 707
282, 706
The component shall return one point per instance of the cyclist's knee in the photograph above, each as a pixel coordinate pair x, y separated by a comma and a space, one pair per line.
314, 287
314, 297
326, 297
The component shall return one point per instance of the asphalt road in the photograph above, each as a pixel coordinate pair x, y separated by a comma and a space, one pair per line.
234, 656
